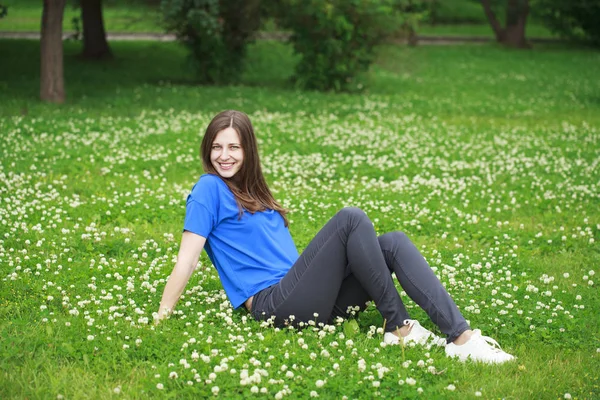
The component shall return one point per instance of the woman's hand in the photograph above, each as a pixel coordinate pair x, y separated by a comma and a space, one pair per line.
187, 259
160, 315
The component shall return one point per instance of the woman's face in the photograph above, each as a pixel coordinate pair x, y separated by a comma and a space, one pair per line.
226, 154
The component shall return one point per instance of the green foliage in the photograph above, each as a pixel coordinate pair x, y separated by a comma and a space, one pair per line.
336, 38
216, 34
571, 19
3, 11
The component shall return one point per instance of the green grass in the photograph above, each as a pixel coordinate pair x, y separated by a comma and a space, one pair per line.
455, 18
486, 157
129, 16
534, 30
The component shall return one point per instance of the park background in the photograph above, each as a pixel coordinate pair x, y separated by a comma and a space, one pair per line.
485, 152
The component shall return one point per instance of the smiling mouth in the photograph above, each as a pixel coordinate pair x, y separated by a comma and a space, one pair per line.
226, 166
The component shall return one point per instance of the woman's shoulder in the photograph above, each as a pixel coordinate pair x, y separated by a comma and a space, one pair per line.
208, 185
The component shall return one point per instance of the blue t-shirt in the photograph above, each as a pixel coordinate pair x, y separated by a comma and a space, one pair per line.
251, 253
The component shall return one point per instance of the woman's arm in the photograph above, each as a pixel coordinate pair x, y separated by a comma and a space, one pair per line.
187, 259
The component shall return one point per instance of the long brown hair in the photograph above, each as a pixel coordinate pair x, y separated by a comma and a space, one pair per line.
248, 184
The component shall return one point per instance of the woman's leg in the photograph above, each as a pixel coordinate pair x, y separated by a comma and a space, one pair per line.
420, 283
416, 278
352, 299
347, 245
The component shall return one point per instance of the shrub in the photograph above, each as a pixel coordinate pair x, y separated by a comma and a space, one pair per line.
336, 38
577, 20
216, 33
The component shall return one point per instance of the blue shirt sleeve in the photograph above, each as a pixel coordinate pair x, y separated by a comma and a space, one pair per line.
202, 207
198, 219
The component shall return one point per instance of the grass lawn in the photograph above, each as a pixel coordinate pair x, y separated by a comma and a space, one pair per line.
486, 157
119, 16
458, 18
534, 30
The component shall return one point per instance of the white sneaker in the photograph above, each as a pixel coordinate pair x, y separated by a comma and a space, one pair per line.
417, 336
480, 349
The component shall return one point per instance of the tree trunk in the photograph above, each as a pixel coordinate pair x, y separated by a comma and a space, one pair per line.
516, 21
95, 45
52, 85
489, 13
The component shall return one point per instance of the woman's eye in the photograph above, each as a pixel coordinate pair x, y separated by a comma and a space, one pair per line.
216, 147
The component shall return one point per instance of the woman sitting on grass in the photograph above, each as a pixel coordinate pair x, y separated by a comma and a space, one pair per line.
232, 213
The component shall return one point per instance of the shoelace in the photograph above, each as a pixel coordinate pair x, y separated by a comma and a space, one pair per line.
494, 345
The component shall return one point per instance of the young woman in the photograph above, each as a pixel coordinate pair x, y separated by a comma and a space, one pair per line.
232, 214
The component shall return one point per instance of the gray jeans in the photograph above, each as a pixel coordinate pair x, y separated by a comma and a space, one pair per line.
347, 265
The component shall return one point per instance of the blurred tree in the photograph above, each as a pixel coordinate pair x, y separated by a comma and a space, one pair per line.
513, 35
95, 45
336, 39
216, 32
3, 11
579, 20
52, 86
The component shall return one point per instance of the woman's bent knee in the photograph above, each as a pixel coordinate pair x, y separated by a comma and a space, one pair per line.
352, 213
388, 240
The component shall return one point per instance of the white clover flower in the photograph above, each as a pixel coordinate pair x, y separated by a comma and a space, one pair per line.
90, 337
567, 396
451, 387
173, 375
411, 381
160, 386
478, 394
215, 390
320, 383
313, 393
